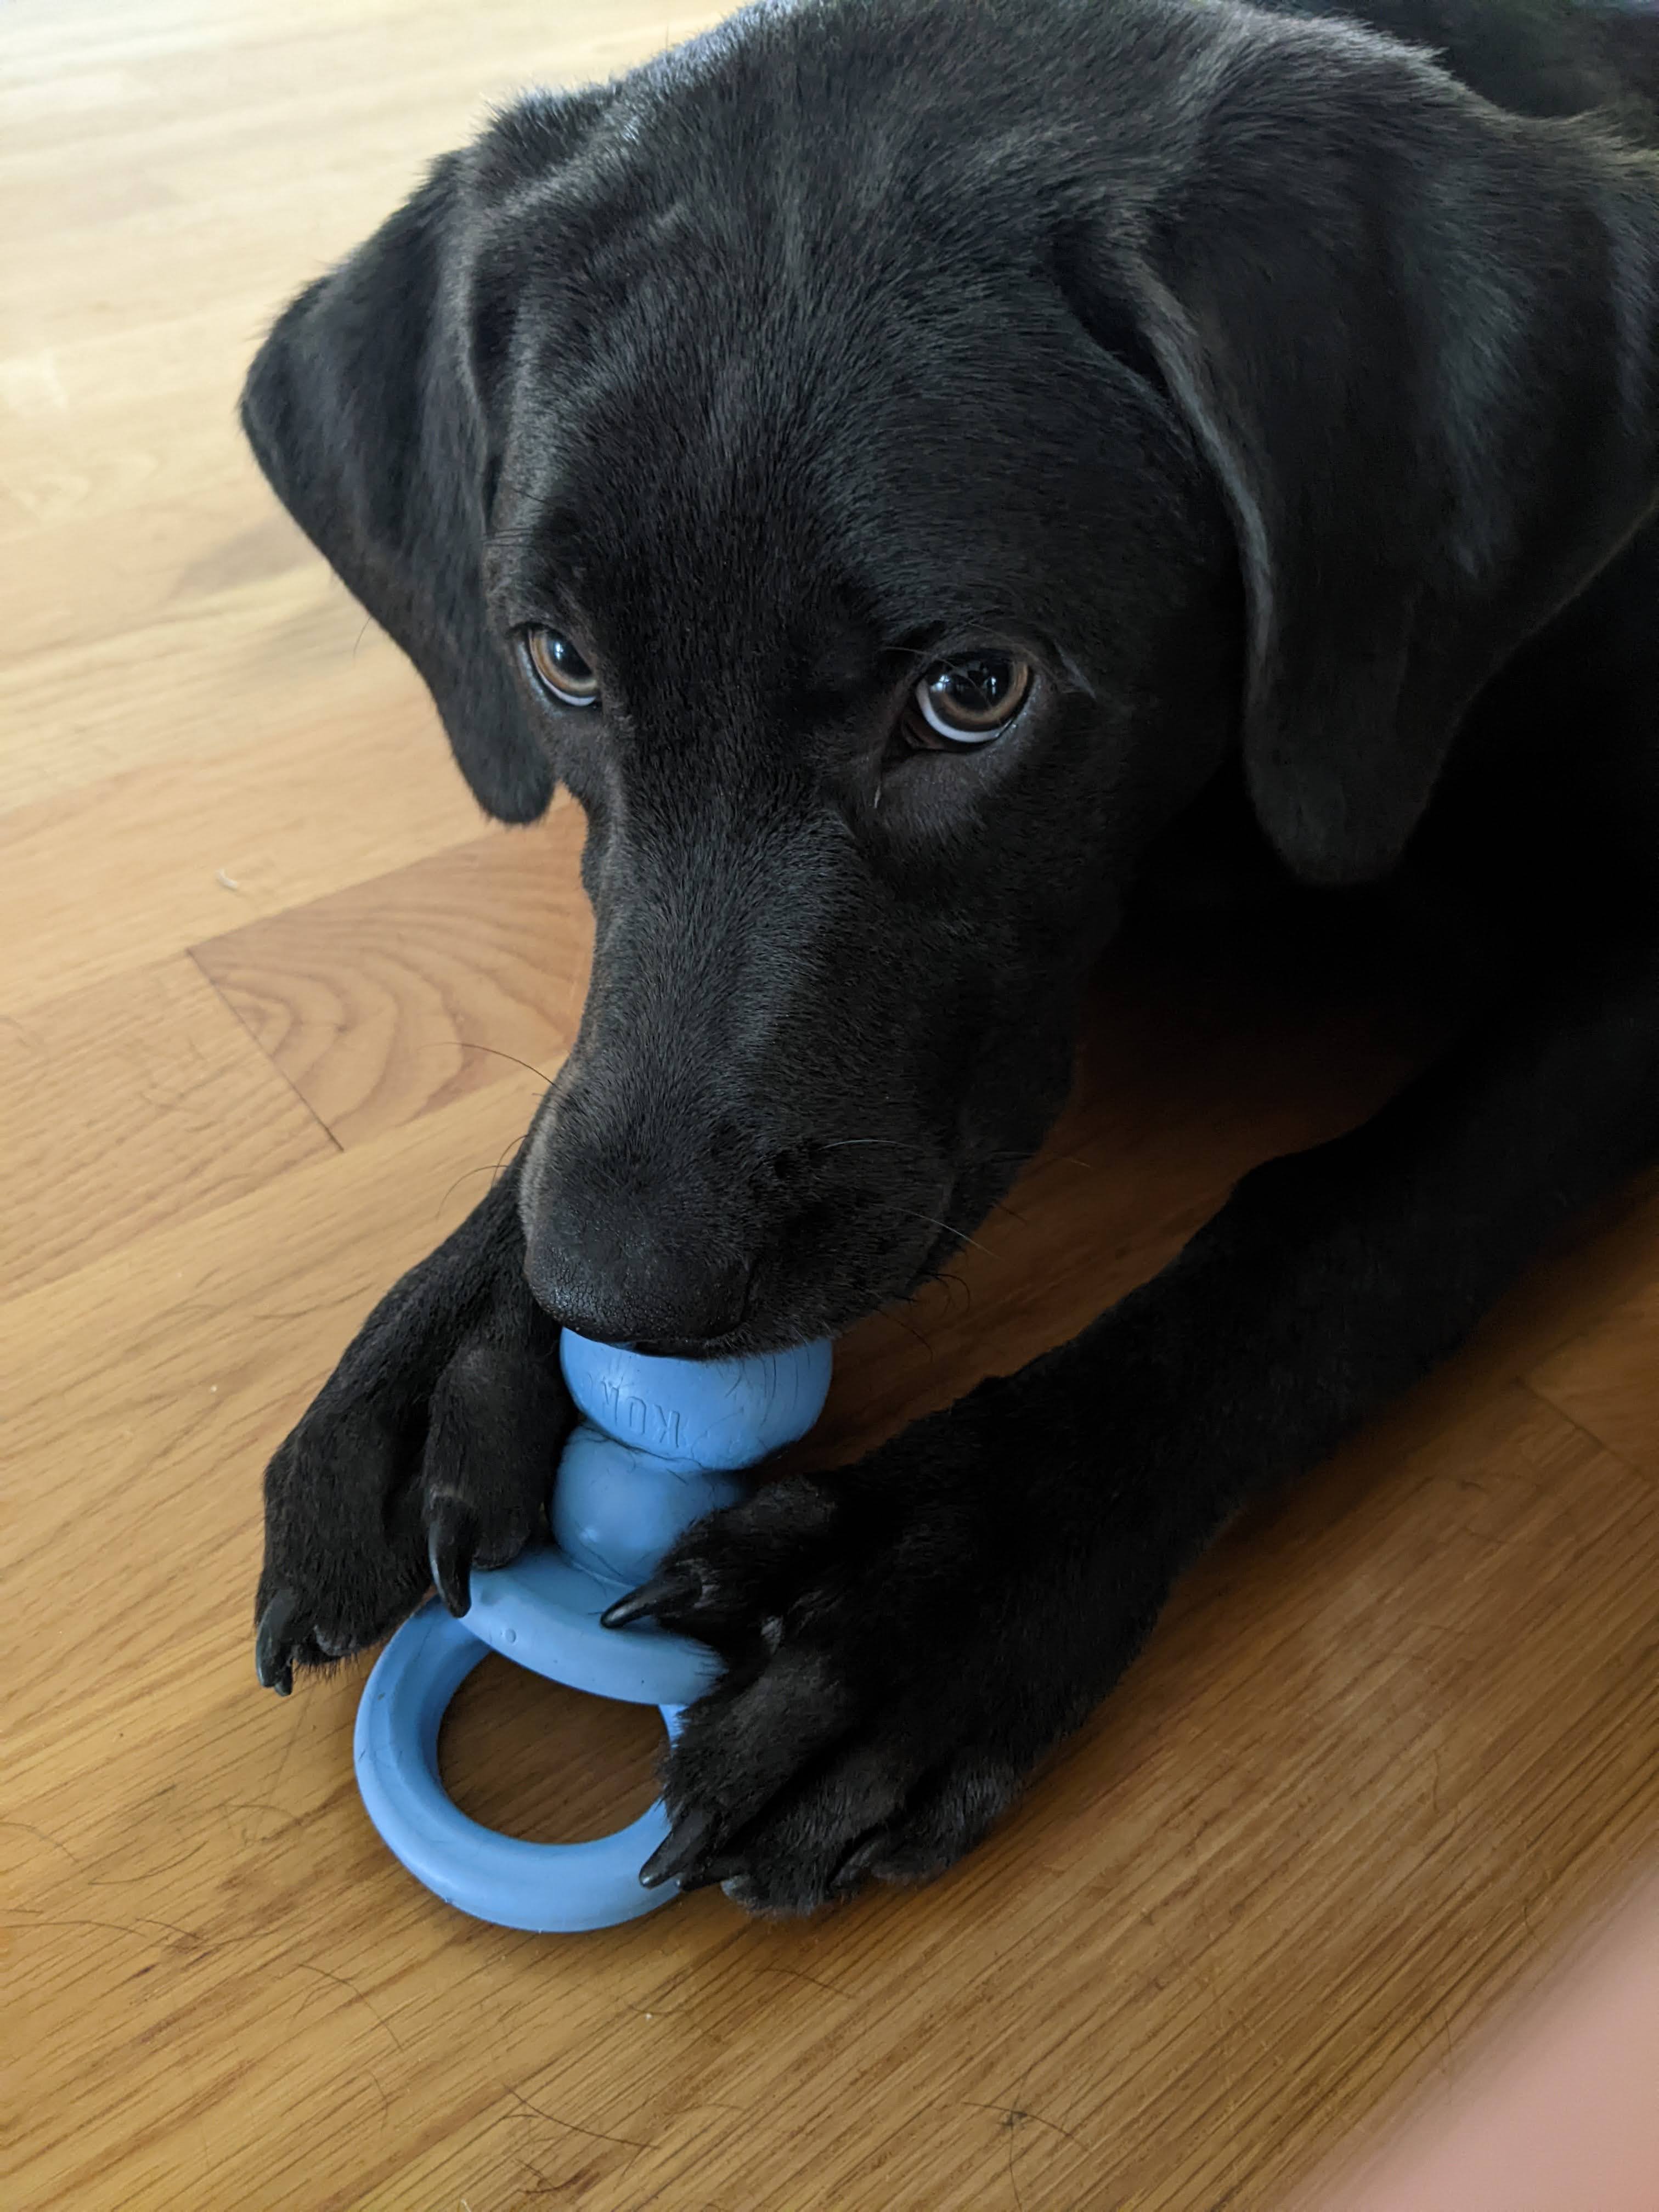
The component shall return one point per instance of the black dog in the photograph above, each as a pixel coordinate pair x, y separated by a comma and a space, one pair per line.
909, 467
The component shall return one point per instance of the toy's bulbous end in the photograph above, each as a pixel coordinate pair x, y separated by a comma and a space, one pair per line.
717, 1415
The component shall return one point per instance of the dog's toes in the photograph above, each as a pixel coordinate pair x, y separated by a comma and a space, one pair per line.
942, 1824
289, 1634
275, 1640
452, 1546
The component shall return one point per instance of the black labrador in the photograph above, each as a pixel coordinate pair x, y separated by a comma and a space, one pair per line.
918, 471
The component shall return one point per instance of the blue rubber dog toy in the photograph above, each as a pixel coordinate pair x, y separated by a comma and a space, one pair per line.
662, 1444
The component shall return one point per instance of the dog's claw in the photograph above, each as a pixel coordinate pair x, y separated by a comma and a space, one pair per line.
452, 1533
273, 1644
650, 1597
678, 1850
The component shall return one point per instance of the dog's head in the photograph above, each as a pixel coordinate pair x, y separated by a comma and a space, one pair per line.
882, 462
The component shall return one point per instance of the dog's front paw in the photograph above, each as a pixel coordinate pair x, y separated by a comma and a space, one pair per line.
430, 1450
900, 1650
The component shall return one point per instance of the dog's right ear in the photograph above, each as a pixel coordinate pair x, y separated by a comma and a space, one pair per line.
361, 409
1416, 341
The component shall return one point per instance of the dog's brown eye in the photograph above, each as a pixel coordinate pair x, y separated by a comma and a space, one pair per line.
970, 701
560, 669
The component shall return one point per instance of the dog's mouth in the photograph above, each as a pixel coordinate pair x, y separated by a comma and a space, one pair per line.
773, 1321
736, 1344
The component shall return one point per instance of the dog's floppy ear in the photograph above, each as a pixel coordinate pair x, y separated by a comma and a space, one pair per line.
361, 409
1415, 339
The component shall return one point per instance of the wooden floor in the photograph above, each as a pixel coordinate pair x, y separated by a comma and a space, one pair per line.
266, 980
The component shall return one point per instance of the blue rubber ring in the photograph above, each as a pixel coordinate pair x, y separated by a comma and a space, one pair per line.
543, 1888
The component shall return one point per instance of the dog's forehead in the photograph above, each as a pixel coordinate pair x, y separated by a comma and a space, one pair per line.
779, 344
909, 435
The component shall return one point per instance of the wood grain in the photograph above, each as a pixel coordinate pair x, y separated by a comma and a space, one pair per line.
126, 871
135, 1101
396, 995
239, 666
1608, 1378
260, 963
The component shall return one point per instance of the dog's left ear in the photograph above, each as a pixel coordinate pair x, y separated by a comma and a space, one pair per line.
1415, 339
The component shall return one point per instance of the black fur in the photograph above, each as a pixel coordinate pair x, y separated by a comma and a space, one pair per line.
1292, 401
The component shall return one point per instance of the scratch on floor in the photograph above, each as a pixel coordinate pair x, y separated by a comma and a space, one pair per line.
801, 1975
576, 2127
304, 1966
1012, 2115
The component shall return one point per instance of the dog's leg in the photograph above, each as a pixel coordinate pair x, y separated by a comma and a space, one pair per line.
430, 1449
907, 1637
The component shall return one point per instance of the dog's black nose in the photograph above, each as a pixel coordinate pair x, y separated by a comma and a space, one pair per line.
622, 1285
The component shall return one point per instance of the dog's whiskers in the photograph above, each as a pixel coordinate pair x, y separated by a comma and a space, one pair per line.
467, 1045
893, 1314
950, 1229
